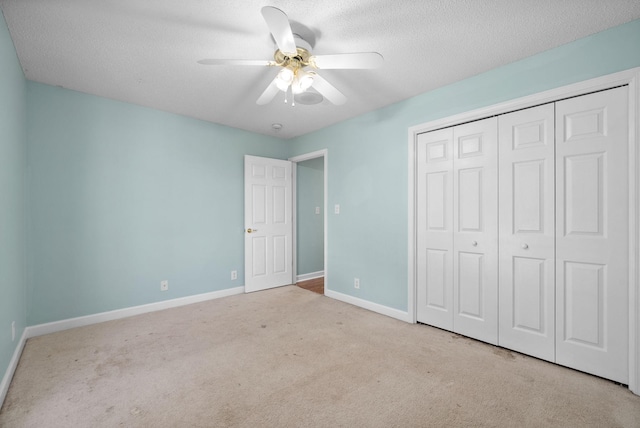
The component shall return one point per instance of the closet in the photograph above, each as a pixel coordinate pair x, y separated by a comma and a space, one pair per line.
522, 231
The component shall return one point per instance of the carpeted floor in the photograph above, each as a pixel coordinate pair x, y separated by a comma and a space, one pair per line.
292, 358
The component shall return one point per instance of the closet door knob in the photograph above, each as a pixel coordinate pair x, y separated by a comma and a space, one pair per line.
474, 243
525, 246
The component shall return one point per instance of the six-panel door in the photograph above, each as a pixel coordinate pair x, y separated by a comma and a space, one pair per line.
268, 227
435, 228
527, 231
475, 230
457, 268
592, 234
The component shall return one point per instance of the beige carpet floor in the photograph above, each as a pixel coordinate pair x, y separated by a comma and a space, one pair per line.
292, 358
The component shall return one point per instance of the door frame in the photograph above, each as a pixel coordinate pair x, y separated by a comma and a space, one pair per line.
629, 77
324, 153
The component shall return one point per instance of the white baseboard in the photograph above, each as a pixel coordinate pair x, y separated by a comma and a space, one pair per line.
375, 307
13, 364
311, 275
52, 327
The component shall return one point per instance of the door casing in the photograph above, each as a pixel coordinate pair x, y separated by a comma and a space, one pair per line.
324, 153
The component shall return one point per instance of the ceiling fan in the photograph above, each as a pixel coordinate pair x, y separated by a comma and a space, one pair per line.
297, 64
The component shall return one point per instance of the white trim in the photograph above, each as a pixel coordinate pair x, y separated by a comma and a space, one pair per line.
13, 364
310, 275
52, 327
411, 229
309, 156
294, 221
634, 233
629, 77
324, 153
366, 304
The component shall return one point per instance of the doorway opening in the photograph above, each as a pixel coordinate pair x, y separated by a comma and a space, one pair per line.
310, 220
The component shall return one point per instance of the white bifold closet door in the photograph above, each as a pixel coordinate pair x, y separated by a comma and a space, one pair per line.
592, 217
435, 228
457, 220
475, 230
527, 231
561, 292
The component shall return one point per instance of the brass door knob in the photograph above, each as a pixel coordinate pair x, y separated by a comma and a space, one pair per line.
251, 230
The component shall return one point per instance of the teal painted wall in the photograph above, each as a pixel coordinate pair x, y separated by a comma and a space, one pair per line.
309, 225
123, 197
367, 157
13, 167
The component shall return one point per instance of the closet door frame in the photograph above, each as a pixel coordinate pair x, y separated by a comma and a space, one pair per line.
628, 77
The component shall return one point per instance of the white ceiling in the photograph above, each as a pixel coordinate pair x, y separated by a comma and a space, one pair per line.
145, 51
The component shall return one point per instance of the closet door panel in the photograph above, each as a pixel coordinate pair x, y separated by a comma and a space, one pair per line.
527, 231
435, 228
475, 206
592, 233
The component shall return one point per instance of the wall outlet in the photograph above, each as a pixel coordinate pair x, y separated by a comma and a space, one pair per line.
164, 285
356, 282
234, 274
336, 209
13, 331
317, 210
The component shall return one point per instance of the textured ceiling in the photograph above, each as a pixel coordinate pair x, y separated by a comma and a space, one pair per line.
145, 51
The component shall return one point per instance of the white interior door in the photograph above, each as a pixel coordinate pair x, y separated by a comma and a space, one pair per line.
475, 237
527, 231
435, 228
592, 233
268, 259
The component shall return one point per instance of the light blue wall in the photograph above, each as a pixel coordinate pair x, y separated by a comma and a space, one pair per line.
123, 197
13, 168
367, 157
309, 225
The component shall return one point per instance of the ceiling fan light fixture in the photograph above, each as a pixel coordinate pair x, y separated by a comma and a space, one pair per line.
301, 82
306, 79
285, 78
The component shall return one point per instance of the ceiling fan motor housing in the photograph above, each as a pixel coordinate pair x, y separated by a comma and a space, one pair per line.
302, 57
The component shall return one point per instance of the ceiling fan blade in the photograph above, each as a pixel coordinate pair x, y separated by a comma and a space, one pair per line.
352, 60
328, 91
216, 61
280, 28
268, 93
